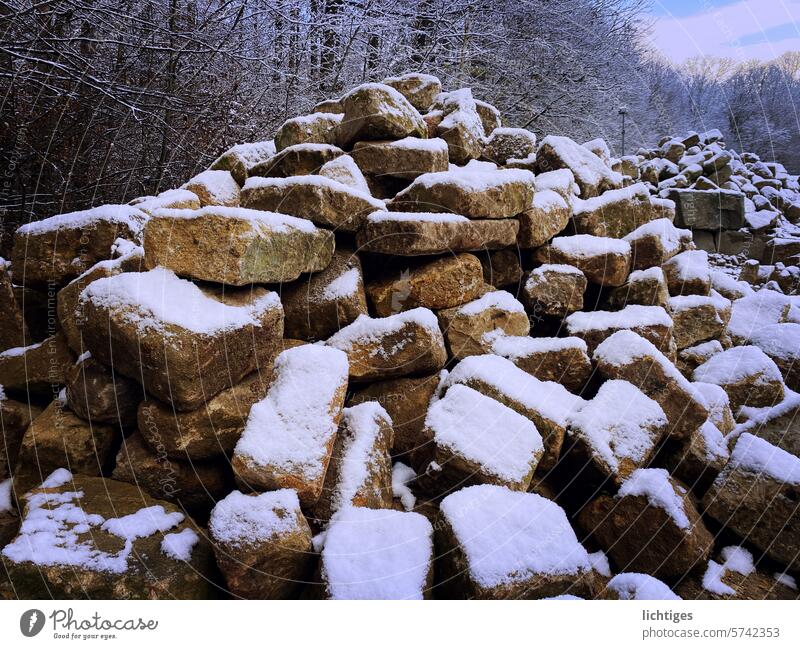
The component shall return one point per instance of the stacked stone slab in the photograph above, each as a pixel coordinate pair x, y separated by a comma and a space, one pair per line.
403, 334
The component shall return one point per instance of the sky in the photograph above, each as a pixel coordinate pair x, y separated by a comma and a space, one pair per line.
739, 29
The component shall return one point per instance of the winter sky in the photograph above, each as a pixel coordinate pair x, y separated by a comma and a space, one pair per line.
739, 29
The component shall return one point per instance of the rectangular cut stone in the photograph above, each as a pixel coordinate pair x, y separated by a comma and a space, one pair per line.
235, 246
708, 209
411, 234
289, 436
181, 343
61, 247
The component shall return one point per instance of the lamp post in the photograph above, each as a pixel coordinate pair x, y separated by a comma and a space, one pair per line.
623, 110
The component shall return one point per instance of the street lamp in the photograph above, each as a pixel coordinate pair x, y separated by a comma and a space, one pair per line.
623, 110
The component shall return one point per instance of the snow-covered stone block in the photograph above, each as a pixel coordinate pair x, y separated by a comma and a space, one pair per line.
627, 355
603, 260
378, 554
651, 525
262, 543
477, 439
501, 544
470, 328
756, 497
289, 436
182, 343
398, 345
615, 433
235, 246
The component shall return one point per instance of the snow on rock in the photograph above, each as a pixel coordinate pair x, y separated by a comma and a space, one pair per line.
592, 175
245, 519
502, 445
620, 428
377, 554
734, 559
752, 312
158, 297
757, 455
510, 538
655, 485
179, 545
5, 496
402, 474
289, 435
747, 374
127, 215
636, 586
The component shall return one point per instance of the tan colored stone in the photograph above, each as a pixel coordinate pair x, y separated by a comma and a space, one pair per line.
490, 116
196, 486
614, 434
241, 158
554, 290
345, 170
592, 175
406, 158
465, 327
320, 304
235, 246
406, 400
603, 260
759, 502
756, 585
651, 322
546, 559
747, 374
654, 243
62, 247
69, 316
640, 535
297, 160
502, 268
547, 215
13, 329
178, 358
375, 111
561, 360
403, 344
688, 273
15, 417
510, 146
211, 430
96, 394
614, 213
110, 566
456, 424
694, 319
215, 187
461, 125
442, 283
548, 405
58, 438
470, 192
321, 200
420, 90
317, 128
262, 544
289, 436
37, 368
416, 233
629, 356
360, 469
644, 287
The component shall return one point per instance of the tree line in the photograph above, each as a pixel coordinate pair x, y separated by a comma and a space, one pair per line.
106, 100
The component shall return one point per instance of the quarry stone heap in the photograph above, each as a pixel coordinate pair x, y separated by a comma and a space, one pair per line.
354, 361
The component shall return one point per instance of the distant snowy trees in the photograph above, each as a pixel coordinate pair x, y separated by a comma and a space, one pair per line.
105, 100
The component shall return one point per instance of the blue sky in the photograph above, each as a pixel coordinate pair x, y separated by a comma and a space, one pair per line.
739, 29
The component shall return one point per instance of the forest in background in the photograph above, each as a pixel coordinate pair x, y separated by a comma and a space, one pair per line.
103, 101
